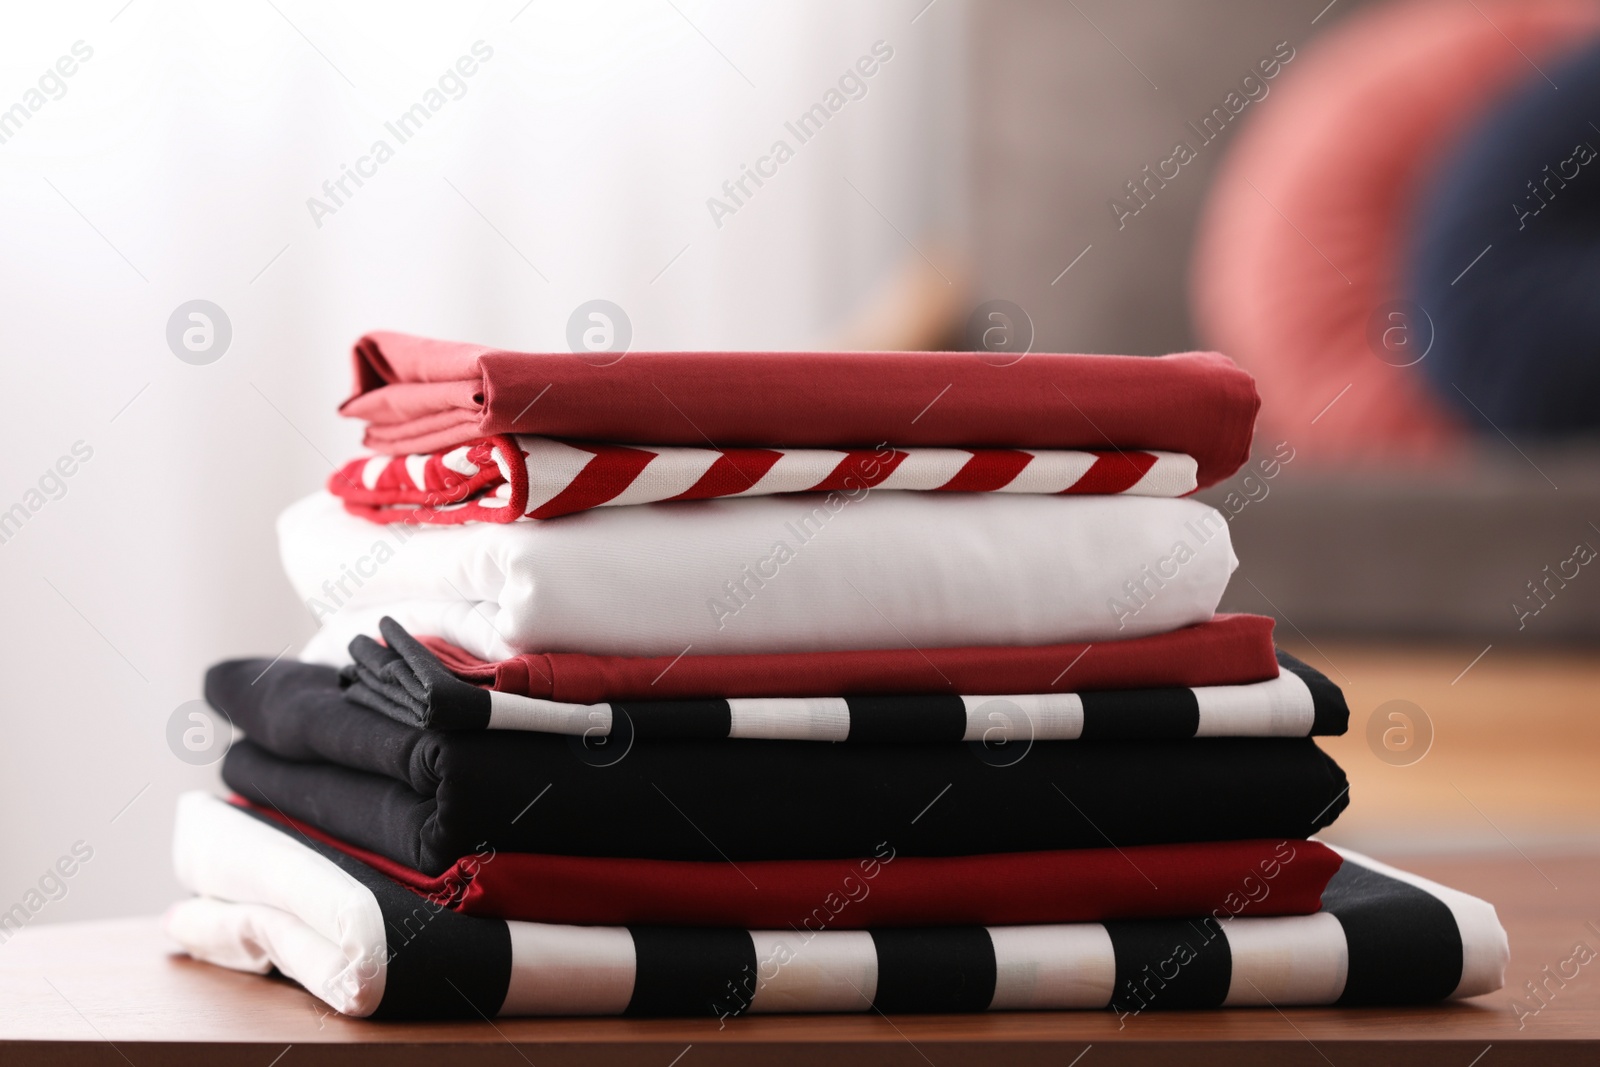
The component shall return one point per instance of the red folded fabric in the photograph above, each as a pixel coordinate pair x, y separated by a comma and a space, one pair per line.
1227, 650
421, 395
1221, 878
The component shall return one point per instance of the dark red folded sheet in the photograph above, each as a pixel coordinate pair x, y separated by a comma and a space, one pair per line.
1222, 878
1227, 650
421, 395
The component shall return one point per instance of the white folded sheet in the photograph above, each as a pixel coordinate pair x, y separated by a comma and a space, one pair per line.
795, 573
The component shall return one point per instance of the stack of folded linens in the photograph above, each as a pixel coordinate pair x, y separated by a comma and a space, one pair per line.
716, 683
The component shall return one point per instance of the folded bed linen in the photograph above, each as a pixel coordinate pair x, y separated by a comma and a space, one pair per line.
1224, 650
425, 798
1280, 877
768, 574
506, 478
406, 682
368, 946
422, 395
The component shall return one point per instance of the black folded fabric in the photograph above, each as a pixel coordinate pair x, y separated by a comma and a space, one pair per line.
425, 798
405, 681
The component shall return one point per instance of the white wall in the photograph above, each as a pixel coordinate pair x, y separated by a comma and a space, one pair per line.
177, 165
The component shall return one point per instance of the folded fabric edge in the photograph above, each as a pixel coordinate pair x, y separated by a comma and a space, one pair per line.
515, 478
1228, 649
460, 886
407, 682
420, 394
1486, 950
218, 851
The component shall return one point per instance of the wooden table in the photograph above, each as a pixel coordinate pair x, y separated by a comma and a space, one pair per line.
116, 992
1516, 740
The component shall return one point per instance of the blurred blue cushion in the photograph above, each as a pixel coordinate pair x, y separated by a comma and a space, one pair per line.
1517, 331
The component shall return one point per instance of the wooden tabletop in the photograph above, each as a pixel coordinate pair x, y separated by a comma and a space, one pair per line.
116, 992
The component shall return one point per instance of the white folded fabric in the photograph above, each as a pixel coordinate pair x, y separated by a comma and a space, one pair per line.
804, 572
316, 923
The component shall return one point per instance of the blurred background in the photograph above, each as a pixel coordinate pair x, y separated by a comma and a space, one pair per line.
1280, 180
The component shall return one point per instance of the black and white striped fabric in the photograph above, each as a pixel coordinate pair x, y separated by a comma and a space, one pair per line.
406, 682
367, 946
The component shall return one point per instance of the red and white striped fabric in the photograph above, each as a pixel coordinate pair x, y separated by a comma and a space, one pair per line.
503, 478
